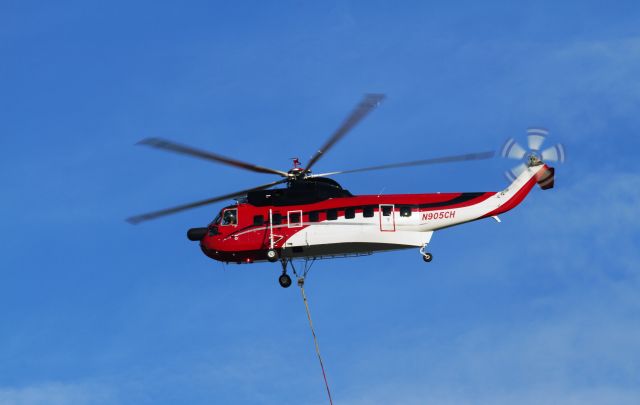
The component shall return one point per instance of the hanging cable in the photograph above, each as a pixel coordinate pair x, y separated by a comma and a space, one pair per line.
306, 306
315, 339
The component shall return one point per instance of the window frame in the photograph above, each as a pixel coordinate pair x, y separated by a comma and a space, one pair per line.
297, 213
224, 213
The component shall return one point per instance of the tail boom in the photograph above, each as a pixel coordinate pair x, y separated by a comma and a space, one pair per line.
496, 203
513, 195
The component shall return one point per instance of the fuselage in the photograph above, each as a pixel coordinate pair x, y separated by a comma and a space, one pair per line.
243, 233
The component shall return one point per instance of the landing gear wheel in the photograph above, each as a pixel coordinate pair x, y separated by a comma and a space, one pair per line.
272, 255
427, 257
284, 280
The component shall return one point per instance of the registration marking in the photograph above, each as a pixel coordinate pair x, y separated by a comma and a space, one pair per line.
428, 216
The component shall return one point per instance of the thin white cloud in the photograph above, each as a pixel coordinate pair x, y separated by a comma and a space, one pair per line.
56, 393
581, 358
593, 220
578, 88
602, 201
577, 342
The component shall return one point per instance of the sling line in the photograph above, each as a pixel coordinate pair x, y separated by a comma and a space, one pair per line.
315, 338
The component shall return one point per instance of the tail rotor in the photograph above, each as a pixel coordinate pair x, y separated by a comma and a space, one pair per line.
532, 155
513, 150
515, 172
536, 137
553, 154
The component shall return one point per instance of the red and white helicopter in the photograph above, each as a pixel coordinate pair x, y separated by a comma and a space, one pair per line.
313, 217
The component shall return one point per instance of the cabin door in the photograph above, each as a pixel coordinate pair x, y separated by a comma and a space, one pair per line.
387, 217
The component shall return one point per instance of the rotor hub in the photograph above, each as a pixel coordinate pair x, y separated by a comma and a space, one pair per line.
296, 173
533, 159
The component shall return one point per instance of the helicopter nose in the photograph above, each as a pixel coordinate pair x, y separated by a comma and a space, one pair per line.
196, 234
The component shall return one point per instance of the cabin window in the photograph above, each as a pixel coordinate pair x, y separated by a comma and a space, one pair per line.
350, 213
367, 212
258, 220
277, 219
295, 219
314, 216
386, 210
405, 211
332, 215
230, 217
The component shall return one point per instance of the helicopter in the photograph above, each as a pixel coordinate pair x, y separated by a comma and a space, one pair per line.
313, 217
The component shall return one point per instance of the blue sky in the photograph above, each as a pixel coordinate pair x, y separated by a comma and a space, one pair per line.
542, 308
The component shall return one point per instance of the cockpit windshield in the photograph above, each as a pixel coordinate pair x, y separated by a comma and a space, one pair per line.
216, 220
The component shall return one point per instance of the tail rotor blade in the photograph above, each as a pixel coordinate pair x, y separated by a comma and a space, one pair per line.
535, 137
515, 172
554, 154
513, 150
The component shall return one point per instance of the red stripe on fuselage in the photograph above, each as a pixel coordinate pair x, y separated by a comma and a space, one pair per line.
515, 200
244, 240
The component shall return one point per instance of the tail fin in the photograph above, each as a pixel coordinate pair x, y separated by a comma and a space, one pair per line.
546, 178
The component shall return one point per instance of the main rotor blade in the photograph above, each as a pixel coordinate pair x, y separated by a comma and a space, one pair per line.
445, 159
368, 103
155, 214
164, 144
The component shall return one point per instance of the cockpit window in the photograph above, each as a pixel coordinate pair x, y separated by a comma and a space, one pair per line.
230, 217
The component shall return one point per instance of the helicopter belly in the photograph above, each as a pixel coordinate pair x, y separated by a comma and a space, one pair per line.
340, 239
